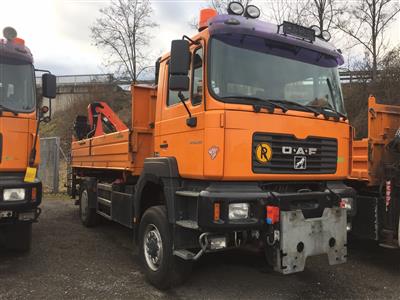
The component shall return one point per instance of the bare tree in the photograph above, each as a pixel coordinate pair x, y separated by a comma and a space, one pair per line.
322, 13
124, 31
306, 13
366, 23
286, 10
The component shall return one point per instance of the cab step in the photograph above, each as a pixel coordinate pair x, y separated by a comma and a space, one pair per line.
184, 254
190, 224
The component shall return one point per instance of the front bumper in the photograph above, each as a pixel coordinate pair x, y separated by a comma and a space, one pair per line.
310, 222
20, 211
301, 238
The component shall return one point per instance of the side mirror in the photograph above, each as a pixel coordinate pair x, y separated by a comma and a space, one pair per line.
157, 71
49, 86
179, 66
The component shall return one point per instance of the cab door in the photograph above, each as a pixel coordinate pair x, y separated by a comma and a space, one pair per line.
182, 137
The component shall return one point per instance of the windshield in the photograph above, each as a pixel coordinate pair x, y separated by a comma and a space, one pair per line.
17, 89
245, 66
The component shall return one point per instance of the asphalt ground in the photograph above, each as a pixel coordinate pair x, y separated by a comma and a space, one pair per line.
69, 261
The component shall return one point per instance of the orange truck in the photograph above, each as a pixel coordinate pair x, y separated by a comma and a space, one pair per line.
375, 174
243, 140
20, 189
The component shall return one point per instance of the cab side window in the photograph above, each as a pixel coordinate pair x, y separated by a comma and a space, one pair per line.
173, 95
197, 77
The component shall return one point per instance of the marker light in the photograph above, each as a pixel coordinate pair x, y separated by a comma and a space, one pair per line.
205, 15
217, 211
252, 12
9, 33
326, 35
19, 41
235, 8
316, 29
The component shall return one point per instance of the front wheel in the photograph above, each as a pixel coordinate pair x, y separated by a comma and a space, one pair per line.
162, 268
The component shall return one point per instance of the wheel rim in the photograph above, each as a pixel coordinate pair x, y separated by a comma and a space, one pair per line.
153, 249
84, 204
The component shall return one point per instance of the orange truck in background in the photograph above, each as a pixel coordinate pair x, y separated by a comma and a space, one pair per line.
375, 174
243, 140
20, 189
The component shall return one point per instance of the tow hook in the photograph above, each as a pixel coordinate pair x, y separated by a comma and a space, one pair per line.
275, 238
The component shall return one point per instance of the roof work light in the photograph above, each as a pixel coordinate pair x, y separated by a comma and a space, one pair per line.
252, 12
9, 33
235, 8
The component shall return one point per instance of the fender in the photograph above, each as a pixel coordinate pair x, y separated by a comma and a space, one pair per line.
159, 170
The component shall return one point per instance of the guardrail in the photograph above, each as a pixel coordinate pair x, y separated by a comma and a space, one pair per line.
346, 76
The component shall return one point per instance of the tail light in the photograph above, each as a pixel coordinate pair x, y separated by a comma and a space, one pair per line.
273, 214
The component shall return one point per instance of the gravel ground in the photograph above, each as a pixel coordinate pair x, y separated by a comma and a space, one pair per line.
70, 261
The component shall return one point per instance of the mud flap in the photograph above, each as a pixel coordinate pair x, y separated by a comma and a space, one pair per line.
301, 238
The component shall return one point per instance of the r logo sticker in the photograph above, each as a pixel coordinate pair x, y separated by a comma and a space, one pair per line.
263, 153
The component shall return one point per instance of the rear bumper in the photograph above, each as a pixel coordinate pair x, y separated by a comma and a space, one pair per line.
20, 211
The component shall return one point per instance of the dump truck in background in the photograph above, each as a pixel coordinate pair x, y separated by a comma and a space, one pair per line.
242, 141
375, 174
20, 189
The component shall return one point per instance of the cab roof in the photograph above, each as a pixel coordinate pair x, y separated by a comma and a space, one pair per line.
15, 49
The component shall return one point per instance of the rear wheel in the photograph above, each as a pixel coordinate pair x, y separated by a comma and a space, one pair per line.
87, 214
162, 268
18, 236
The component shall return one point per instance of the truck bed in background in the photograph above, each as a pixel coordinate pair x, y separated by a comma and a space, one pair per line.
369, 155
123, 150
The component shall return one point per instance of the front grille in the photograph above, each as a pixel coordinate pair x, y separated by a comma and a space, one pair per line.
290, 155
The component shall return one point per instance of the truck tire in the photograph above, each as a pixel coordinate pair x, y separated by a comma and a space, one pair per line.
162, 268
88, 215
18, 237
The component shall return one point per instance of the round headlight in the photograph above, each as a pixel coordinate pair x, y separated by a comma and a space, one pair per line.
235, 8
9, 33
316, 29
326, 35
252, 12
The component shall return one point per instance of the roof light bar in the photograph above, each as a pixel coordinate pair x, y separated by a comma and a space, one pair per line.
298, 31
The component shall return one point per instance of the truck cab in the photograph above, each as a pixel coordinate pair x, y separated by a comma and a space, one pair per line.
20, 189
243, 140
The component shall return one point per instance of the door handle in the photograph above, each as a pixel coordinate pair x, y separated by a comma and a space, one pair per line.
164, 145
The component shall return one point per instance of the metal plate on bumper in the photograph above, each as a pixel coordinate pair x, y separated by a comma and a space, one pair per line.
314, 236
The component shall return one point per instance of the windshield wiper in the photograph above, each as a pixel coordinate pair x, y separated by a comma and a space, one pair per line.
259, 103
304, 107
3, 108
331, 109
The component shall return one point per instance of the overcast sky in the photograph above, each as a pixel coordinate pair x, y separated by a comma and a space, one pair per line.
58, 34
